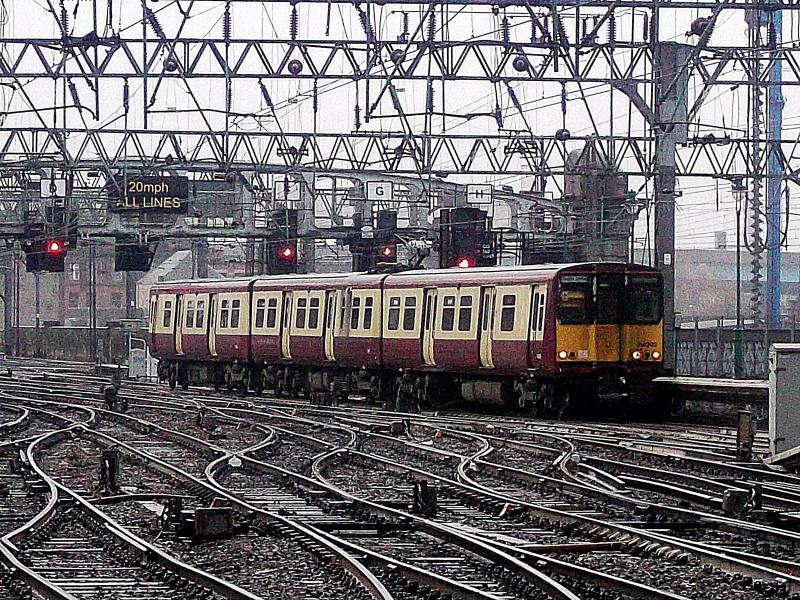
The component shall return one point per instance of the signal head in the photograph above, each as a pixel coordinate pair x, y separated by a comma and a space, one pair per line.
465, 262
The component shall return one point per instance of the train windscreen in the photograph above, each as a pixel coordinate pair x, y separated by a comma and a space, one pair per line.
610, 299
575, 300
643, 305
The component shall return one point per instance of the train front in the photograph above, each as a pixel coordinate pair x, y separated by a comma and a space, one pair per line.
609, 330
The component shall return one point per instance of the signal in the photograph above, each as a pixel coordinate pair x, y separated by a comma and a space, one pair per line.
281, 243
287, 252
387, 253
465, 262
55, 247
465, 238
45, 255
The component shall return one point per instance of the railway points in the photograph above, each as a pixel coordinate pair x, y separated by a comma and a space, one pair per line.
239, 495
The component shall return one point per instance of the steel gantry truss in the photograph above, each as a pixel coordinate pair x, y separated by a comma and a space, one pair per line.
468, 90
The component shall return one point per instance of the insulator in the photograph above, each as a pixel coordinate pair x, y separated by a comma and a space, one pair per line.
498, 116
431, 26
265, 94
357, 123
226, 22
73, 91
294, 22
126, 96
64, 19
514, 100
612, 28
405, 27
505, 29
315, 98
365, 24
563, 99
395, 99
584, 28
429, 98
562, 34
154, 24
646, 27
772, 35
535, 28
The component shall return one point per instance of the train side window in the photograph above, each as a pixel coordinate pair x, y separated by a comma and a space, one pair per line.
189, 321
410, 313
355, 312
272, 312
236, 308
508, 312
448, 313
261, 307
200, 314
537, 298
223, 314
542, 298
167, 313
368, 302
465, 313
394, 314
300, 317
313, 313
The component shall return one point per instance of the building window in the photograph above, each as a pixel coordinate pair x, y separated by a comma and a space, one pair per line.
272, 312
507, 312
73, 299
394, 314
116, 299
448, 313
465, 313
300, 317
409, 313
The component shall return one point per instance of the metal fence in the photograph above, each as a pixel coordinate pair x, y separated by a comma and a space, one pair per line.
709, 352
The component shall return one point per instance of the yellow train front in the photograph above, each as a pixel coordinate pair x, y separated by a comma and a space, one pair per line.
609, 333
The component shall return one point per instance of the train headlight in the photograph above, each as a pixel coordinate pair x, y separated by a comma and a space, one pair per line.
562, 355
656, 355
637, 355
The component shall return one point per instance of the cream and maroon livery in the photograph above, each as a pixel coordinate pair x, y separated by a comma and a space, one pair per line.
498, 333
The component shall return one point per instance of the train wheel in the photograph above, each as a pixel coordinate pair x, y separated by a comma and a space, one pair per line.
183, 378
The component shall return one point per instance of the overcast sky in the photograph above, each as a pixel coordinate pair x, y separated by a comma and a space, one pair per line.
593, 105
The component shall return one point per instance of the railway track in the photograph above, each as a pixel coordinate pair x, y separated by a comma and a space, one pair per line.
523, 509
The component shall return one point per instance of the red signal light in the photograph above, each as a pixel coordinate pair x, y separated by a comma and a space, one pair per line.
388, 251
465, 262
54, 246
287, 252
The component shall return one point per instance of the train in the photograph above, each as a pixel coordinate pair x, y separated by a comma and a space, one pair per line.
541, 337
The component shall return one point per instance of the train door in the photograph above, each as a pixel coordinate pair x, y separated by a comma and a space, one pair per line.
286, 323
212, 326
331, 299
429, 318
180, 306
485, 329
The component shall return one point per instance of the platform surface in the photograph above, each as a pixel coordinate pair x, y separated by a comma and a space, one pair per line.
718, 384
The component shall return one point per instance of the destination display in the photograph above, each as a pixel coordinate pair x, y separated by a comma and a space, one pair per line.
152, 194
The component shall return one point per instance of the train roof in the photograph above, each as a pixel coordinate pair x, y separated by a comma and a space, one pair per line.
452, 275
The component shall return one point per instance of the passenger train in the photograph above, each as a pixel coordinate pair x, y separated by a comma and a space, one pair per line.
540, 336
